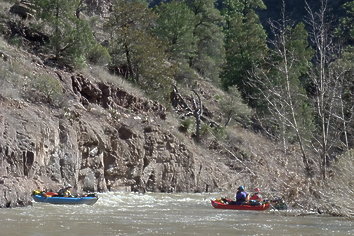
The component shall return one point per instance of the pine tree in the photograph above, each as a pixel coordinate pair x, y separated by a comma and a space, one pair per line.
345, 30
245, 43
210, 54
135, 50
70, 37
175, 26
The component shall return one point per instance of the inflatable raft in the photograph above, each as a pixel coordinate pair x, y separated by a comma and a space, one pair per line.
233, 206
89, 199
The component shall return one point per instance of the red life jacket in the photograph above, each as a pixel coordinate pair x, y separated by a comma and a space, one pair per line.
256, 197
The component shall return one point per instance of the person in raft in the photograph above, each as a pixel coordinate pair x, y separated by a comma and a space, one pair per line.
241, 196
256, 196
65, 192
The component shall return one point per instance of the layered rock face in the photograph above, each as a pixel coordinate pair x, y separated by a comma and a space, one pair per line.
102, 139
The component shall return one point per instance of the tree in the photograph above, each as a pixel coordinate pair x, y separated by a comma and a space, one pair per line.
328, 81
210, 54
345, 30
175, 25
343, 70
70, 37
345, 35
135, 50
191, 108
245, 44
233, 106
280, 85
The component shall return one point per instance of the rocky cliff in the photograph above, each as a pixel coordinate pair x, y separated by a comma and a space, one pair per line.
101, 139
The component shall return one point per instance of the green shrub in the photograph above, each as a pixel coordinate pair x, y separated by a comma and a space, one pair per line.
185, 74
233, 106
16, 41
99, 55
219, 132
48, 88
205, 130
187, 125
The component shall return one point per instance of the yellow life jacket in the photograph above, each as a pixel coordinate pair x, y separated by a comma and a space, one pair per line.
37, 192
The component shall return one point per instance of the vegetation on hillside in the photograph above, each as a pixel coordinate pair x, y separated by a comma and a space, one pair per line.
292, 82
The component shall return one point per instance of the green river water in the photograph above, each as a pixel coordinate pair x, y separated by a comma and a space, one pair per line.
161, 214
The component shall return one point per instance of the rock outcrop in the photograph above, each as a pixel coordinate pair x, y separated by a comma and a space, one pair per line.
103, 139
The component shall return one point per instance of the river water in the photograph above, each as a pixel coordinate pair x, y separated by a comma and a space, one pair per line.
160, 214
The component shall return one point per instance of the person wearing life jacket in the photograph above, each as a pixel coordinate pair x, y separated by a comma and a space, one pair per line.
256, 196
65, 192
241, 195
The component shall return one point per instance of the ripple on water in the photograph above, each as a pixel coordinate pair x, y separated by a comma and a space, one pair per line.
159, 214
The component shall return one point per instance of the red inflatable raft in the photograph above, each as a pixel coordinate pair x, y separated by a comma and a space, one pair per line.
222, 205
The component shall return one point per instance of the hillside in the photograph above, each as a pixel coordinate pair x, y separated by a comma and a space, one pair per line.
100, 132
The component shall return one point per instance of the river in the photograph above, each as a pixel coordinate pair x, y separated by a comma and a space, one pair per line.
160, 214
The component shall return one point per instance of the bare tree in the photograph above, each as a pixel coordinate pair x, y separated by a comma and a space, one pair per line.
197, 113
280, 87
191, 106
195, 110
327, 79
342, 71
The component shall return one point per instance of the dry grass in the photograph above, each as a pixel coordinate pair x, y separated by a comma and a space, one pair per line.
339, 190
12, 71
101, 74
21, 77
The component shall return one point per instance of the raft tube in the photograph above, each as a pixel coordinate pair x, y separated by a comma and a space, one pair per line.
222, 205
65, 200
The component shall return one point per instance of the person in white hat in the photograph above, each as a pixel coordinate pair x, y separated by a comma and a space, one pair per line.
65, 192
